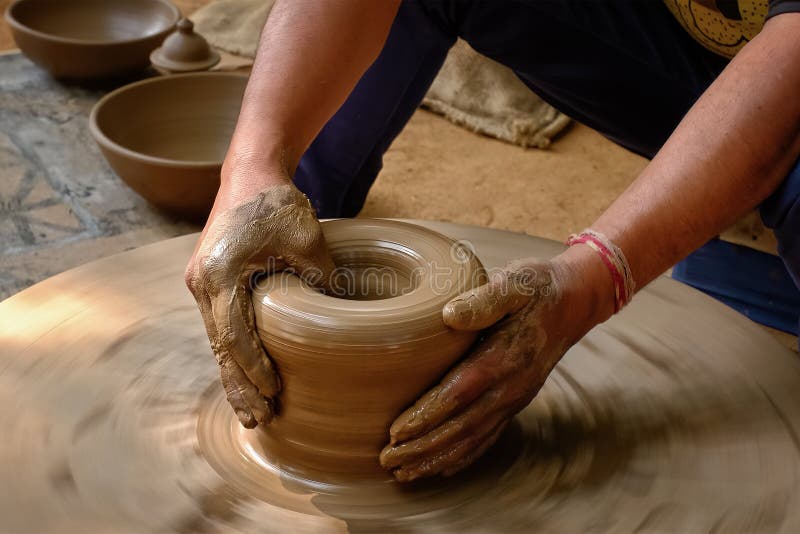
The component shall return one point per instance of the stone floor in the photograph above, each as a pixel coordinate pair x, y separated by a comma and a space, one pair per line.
60, 203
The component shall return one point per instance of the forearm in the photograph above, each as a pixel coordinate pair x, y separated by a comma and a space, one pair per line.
310, 57
732, 149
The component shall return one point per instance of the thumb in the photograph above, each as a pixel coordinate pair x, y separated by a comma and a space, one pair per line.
304, 246
317, 268
479, 308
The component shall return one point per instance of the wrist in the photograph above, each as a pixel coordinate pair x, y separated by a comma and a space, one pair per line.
247, 172
254, 167
260, 146
587, 285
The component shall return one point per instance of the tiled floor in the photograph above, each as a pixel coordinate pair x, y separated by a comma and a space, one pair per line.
60, 203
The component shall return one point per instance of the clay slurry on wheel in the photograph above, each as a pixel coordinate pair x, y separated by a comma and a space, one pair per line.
678, 415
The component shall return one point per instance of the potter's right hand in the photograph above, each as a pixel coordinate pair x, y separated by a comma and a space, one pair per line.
258, 226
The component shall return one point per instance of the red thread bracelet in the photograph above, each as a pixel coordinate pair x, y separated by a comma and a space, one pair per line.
614, 260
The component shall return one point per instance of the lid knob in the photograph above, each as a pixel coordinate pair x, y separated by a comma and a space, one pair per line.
185, 26
184, 51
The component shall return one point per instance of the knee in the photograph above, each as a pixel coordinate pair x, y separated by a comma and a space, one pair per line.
781, 212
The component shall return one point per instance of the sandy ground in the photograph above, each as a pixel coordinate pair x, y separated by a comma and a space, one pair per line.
438, 171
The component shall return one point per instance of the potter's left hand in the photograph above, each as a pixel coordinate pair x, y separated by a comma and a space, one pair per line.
535, 308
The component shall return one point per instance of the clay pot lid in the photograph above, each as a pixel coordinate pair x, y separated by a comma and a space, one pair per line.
184, 51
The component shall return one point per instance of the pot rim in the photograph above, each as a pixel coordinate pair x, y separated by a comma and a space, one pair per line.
107, 144
19, 26
417, 313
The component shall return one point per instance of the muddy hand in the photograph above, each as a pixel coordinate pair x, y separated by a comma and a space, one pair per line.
458, 420
272, 230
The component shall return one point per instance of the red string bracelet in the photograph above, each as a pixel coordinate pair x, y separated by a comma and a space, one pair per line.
614, 260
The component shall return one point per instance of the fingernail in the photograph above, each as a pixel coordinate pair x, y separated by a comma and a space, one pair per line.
385, 457
401, 435
402, 475
457, 313
402, 429
264, 412
246, 418
395, 430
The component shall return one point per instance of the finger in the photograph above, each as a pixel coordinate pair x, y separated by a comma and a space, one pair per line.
234, 391
454, 459
306, 251
228, 289
316, 267
506, 292
460, 387
477, 415
249, 406
470, 457
235, 321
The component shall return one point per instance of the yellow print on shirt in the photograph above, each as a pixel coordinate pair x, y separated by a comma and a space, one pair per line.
722, 26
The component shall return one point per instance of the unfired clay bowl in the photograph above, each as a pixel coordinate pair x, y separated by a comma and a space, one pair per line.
88, 39
166, 137
349, 366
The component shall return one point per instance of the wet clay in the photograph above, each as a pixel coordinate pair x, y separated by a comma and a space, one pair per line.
275, 230
677, 415
91, 39
459, 419
166, 137
353, 360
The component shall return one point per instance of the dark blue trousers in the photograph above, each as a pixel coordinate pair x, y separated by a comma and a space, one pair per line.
625, 68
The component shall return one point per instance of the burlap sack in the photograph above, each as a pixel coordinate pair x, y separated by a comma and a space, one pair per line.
471, 90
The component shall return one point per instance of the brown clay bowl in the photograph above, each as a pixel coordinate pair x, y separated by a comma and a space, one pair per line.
166, 137
89, 39
350, 364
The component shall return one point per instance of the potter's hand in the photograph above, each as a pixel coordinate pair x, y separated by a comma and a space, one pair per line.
272, 229
530, 304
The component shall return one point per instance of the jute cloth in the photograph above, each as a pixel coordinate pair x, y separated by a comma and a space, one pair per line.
471, 90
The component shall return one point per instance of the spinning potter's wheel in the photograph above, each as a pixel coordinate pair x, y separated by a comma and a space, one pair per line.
677, 415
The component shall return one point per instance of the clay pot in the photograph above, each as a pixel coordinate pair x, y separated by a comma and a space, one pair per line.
89, 39
166, 137
184, 51
350, 365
